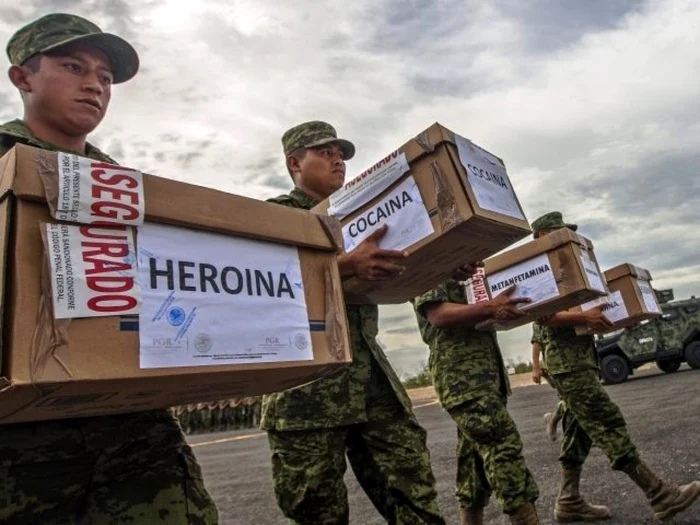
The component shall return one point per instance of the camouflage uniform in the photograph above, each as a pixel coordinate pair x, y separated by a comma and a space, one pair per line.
472, 385
590, 417
362, 410
131, 468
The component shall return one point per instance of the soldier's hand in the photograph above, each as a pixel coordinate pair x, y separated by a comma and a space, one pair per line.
596, 320
537, 375
371, 263
467, 271
505, 306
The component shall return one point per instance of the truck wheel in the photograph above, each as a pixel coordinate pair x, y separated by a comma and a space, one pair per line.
692, 354
669, 365
614, 369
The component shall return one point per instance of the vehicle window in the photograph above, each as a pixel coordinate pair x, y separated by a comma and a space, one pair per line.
691, 309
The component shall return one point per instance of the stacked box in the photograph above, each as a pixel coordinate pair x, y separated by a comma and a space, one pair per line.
631, 299
556, 272
446, 201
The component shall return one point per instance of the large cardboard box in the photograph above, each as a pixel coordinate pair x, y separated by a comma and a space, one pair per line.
447, 202
556, 272
631, 299
60, 368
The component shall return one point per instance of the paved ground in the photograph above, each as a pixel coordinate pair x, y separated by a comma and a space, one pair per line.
662, 411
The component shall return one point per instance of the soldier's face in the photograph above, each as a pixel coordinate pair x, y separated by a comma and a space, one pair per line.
323, 169
71, 91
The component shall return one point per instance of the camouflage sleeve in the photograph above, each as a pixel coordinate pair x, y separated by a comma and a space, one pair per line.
536, 334
438, 295
284, 200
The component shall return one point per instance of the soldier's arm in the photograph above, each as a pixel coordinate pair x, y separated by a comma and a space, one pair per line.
446, 315
594, 319
565, 319
536, 368
504, 307
536, 351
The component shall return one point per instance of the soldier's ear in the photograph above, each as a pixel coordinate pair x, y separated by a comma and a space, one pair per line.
294, 163
19, 76
294, 160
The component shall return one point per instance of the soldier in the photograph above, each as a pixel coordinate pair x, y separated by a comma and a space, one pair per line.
134, 468
472, 385
590, 416
362, 410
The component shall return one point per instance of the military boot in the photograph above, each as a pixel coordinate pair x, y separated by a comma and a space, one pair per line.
570, 506
666, 499
525, 515
471, 516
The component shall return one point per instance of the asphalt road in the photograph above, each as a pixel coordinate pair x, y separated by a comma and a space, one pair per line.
663, 413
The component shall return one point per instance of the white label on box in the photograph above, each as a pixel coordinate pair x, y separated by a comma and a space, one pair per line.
475, 288
614, 308
367, 185
402, 210
650, 300
93, 270
209, 299
488, 179
533, 279
94, 192
592, 272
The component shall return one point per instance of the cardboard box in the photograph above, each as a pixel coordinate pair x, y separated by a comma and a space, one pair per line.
96, 369
631, 298
447, 202
557, 272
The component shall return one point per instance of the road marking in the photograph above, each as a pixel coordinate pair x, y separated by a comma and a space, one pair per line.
427, 404
260, 434
227, 440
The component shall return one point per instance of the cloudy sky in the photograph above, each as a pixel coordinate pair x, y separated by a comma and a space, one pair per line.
594, 106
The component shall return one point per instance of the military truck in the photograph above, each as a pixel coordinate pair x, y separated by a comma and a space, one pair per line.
669, 340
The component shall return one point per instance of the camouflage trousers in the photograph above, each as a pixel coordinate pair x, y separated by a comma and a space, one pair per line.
591, 418
490, 455
131, 469
390, 460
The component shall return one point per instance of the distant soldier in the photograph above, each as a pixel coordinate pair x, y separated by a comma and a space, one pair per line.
590, 417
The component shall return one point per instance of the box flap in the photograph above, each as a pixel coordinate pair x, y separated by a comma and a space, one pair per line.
535, 248
626, 269
181, 204
7, 172
426, 142
5, 223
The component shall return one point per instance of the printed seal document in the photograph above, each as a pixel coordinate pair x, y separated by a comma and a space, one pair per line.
210, 299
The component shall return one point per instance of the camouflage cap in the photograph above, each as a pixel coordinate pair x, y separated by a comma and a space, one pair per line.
313, 134
551, 221
55, 30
